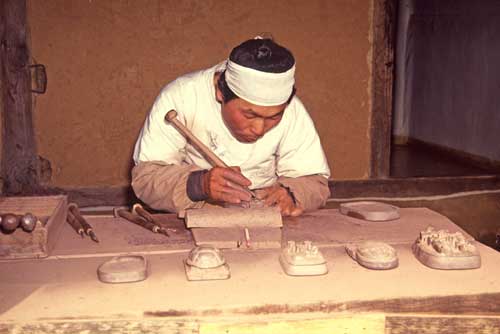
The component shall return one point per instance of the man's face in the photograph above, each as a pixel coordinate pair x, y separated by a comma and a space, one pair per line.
249, 122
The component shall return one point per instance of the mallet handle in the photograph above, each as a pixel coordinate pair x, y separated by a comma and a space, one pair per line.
214, 160
171, 117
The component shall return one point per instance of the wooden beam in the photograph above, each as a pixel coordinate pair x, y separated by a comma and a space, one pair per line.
103, 326
346, 323
101, 196
441, 325
413, 187
384, 23
486, 304
410, 187
19, 158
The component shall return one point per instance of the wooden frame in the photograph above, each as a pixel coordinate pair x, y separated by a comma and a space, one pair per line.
19, 157
384, 38
457, 314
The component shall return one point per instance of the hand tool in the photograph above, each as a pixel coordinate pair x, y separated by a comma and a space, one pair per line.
140, 211
131, 217
213, 159
75, 212
75, 224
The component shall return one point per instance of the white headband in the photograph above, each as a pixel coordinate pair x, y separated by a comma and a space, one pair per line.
260, 88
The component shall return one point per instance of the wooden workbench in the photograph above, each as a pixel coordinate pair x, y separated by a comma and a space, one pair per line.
62, 292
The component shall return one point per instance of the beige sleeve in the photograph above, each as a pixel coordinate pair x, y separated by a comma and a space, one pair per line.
163, 186
310, 191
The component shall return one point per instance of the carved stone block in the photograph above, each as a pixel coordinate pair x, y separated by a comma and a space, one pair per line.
206, 263
374, 255
444, 250
302, 259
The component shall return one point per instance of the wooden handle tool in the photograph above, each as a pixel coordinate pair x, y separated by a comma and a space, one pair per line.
214, 160
171, 117
75, 212
138, 220
140, 211
75, 224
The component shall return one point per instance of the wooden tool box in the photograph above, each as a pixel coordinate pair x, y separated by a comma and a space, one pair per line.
51, 212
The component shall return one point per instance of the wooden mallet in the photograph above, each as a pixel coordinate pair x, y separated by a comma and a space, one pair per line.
171, 117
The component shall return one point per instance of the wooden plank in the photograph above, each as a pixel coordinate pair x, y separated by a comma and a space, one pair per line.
98, 196
384, 23
442, 325
411, 187
486, 304
19, 157
353, 324
349, 323
102, 326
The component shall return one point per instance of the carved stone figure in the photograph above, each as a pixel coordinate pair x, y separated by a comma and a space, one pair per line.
444, 250
302, 259
206, 263
374, 255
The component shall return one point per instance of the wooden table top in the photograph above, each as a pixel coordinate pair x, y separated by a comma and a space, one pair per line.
65, 285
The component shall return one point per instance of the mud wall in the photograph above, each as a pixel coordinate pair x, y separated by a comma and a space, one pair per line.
107, 60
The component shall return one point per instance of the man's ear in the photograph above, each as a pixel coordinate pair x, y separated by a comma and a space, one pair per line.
218, 94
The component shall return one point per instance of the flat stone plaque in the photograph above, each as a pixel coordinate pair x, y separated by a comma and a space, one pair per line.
372, 211
123, 269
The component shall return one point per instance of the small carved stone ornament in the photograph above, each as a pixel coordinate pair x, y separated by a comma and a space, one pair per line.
374, 255
444, 250
206, 262
302, 259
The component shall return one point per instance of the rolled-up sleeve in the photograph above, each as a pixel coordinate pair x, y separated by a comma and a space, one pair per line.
311, 191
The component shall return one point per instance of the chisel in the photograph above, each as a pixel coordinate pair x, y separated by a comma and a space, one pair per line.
75, 212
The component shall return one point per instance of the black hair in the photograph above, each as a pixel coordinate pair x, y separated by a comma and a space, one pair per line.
263, 55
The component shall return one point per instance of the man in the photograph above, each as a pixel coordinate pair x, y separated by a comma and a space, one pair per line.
246, 111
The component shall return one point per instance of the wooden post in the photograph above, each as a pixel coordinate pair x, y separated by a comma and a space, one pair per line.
384, 23
19, 158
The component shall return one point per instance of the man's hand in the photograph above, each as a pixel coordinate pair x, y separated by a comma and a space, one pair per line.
279, 196
226, 185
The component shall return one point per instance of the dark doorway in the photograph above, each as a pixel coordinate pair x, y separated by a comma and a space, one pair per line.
446, 118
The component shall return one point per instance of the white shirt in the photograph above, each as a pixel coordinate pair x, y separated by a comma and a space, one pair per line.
292, 148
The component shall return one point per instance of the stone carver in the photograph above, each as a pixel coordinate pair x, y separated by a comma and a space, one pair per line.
246, 111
